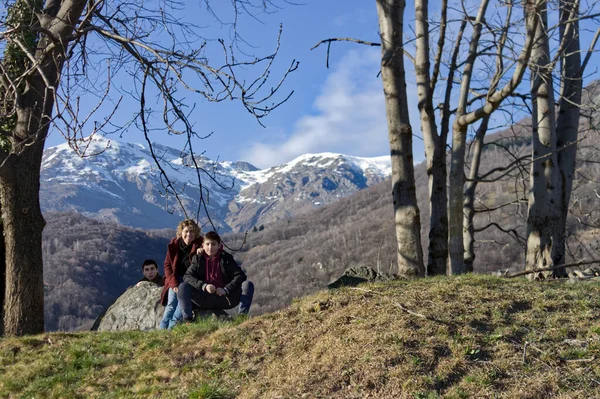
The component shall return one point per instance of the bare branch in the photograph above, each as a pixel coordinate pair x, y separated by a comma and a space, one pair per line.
547, 269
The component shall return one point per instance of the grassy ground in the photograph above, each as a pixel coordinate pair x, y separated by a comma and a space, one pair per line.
466, 337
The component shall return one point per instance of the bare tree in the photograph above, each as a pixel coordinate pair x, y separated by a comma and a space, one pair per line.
435, 143
61, 51
543, 214
406, 211
567, 128
465, 117
478, 146
555, 137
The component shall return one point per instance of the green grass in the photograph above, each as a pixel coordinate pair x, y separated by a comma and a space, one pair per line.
468, 337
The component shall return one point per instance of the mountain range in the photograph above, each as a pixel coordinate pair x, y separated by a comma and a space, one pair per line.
122, 183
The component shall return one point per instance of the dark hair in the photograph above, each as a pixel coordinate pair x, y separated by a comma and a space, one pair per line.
149, 262
213, 236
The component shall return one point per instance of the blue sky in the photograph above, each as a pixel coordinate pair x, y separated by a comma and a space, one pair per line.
339, 109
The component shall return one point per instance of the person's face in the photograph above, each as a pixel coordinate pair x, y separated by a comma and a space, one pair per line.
211, 247
188, 235
150, 271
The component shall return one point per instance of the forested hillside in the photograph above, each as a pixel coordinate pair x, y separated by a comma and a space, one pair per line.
88, 264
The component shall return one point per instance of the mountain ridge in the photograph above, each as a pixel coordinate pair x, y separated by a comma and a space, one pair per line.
122, 183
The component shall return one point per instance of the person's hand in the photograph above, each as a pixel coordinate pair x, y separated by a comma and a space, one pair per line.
220, 291
176, 289
200, 251
211, 289
138, 284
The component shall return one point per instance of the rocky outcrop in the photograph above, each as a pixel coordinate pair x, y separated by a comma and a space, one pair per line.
138, 308
357, 275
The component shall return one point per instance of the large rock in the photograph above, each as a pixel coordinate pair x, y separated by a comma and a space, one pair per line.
356, 275
138, 308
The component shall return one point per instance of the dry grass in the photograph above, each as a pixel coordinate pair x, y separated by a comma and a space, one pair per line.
468, 337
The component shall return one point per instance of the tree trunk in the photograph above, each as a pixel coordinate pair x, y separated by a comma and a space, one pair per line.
542, 217
469, 200
23, 224
406, 211
457, 162
567, 125
2, 273
438, 218
434, 148
455, 205
20, 174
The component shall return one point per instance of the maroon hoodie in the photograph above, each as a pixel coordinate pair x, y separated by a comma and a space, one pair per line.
214, 275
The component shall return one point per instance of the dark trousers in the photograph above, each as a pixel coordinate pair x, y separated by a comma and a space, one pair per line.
191, 298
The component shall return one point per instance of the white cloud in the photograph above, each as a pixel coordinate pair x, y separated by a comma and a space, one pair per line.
349, 116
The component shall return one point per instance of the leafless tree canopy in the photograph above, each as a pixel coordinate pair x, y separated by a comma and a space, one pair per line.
147, 51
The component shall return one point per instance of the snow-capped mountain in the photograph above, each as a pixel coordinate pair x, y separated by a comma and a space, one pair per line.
123, 183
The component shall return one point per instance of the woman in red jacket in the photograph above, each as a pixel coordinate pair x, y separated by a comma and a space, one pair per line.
179, 257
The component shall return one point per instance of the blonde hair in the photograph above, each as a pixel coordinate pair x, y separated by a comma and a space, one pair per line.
188, 223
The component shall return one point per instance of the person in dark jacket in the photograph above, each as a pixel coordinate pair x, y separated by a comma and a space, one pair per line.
150, 272
179, 258
213, 281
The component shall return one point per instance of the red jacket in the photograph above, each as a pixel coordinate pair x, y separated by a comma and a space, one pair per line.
171, 271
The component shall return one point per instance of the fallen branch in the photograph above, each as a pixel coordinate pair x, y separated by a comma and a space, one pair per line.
411, 312
546, 269
402, 307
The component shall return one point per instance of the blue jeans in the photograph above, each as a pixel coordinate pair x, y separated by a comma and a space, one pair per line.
246, 297
172, 312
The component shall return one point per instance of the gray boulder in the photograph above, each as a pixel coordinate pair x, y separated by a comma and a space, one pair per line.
357, 275
138, 308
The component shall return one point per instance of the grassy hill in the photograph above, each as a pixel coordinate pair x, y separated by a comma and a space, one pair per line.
467, 337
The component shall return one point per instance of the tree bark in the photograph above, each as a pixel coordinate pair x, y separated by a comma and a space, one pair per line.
406, 211
23, 223
434, 147
469, 200
542, 216
567, 125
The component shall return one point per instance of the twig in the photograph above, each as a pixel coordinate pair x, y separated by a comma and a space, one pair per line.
591, 359
545, 269
404, 308
340, 39
411, 312
344, 39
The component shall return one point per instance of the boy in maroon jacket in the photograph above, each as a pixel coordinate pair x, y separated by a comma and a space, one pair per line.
213, 281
